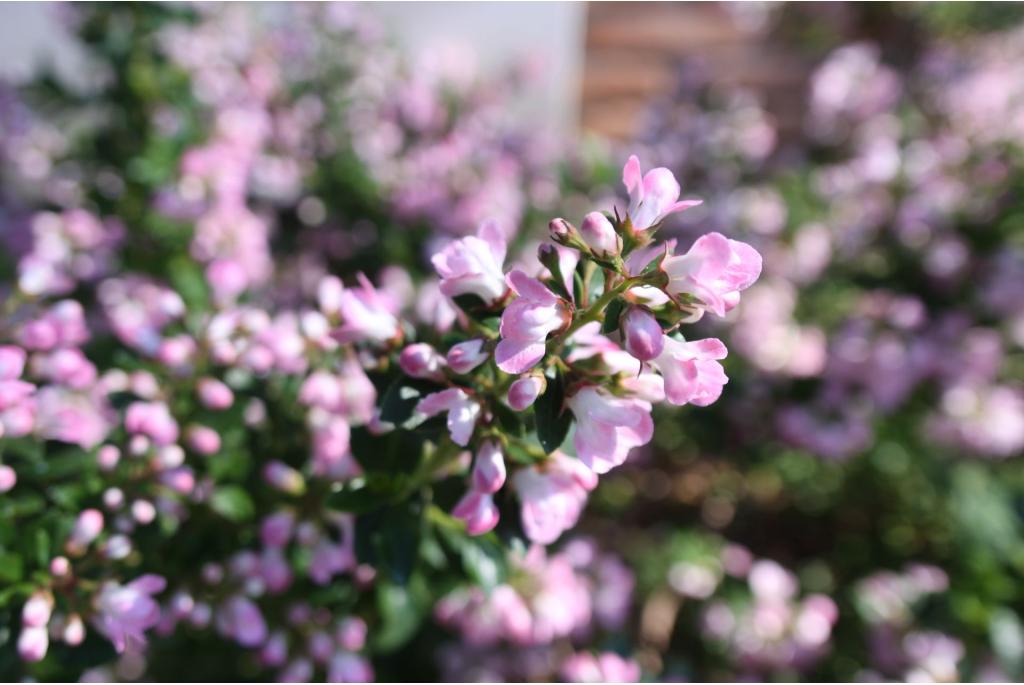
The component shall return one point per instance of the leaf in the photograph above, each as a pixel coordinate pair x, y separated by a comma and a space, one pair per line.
11, 568
232, 502
551, 420
401, 398
484, 561
402, 610
612, 315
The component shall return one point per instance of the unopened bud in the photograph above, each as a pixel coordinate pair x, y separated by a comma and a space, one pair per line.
420, 360
525, 391
642, 333
564, 233
466, 356
600, 236
489, 468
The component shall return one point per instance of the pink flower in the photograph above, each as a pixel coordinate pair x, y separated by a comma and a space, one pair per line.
240, 619
12, 362
607, 667
489, 468
526, 323
525, 391
462, 412
125, 612
652, 196
692, 374
346, 667
366, 314
420, 360
473, 265
642, 334
465, 356
213, 394
608, 427
553, 495
152, 419
477, 510
714, 271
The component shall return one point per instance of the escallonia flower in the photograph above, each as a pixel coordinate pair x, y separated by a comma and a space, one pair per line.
608, 427
714, 270
473, 265
652, 196
526, 323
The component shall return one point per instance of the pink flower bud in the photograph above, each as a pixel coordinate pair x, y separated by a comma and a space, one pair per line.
283, 477
33, 643
346, 667
420, 360
525, 391
143, 511
151, 419
177, 351
275, 650
351, 634
466, 356
203, 440
642, 333
477, 510
60, 567
8, 478
214, 394
87, 528
600, 236
320, 646
113, 498
563, 233
489, 468
107, 457
37, 610
74, 630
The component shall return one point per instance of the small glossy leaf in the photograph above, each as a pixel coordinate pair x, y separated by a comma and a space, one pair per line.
232, 502
551, 419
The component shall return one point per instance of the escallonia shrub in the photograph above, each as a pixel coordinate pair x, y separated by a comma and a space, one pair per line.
293, 479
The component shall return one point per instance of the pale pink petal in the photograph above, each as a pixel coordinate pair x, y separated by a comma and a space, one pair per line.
515, 357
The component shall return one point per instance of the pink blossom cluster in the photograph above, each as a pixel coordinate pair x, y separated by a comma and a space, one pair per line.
550, 332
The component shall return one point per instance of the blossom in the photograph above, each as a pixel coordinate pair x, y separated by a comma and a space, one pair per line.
489, 468
152, 419
477, 510
473, 265
599, 235
125, 612
608, 427
652, 196
553, 495
526, 323
462, 412
642, 334
714, 270
691, 371
465, 356
366, 314
607, 667
524, 391
420, 360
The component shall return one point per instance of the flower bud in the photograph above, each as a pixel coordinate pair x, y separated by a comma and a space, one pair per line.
87, 528
33, 643
525, 391
489, 468
203, 440
107, 457
227, 279
477, 510
642, 334
564, 233
74, 630
466, 356
351, 634
420, 360
283, 477
600, 236
37, 610
12, 362
60, 567
143, 511
213, 394
329, 295
8, 478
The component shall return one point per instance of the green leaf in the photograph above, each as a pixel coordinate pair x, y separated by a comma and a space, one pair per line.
551, 420
11, 568
402, 610
232, 502
484, 561
401, 398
